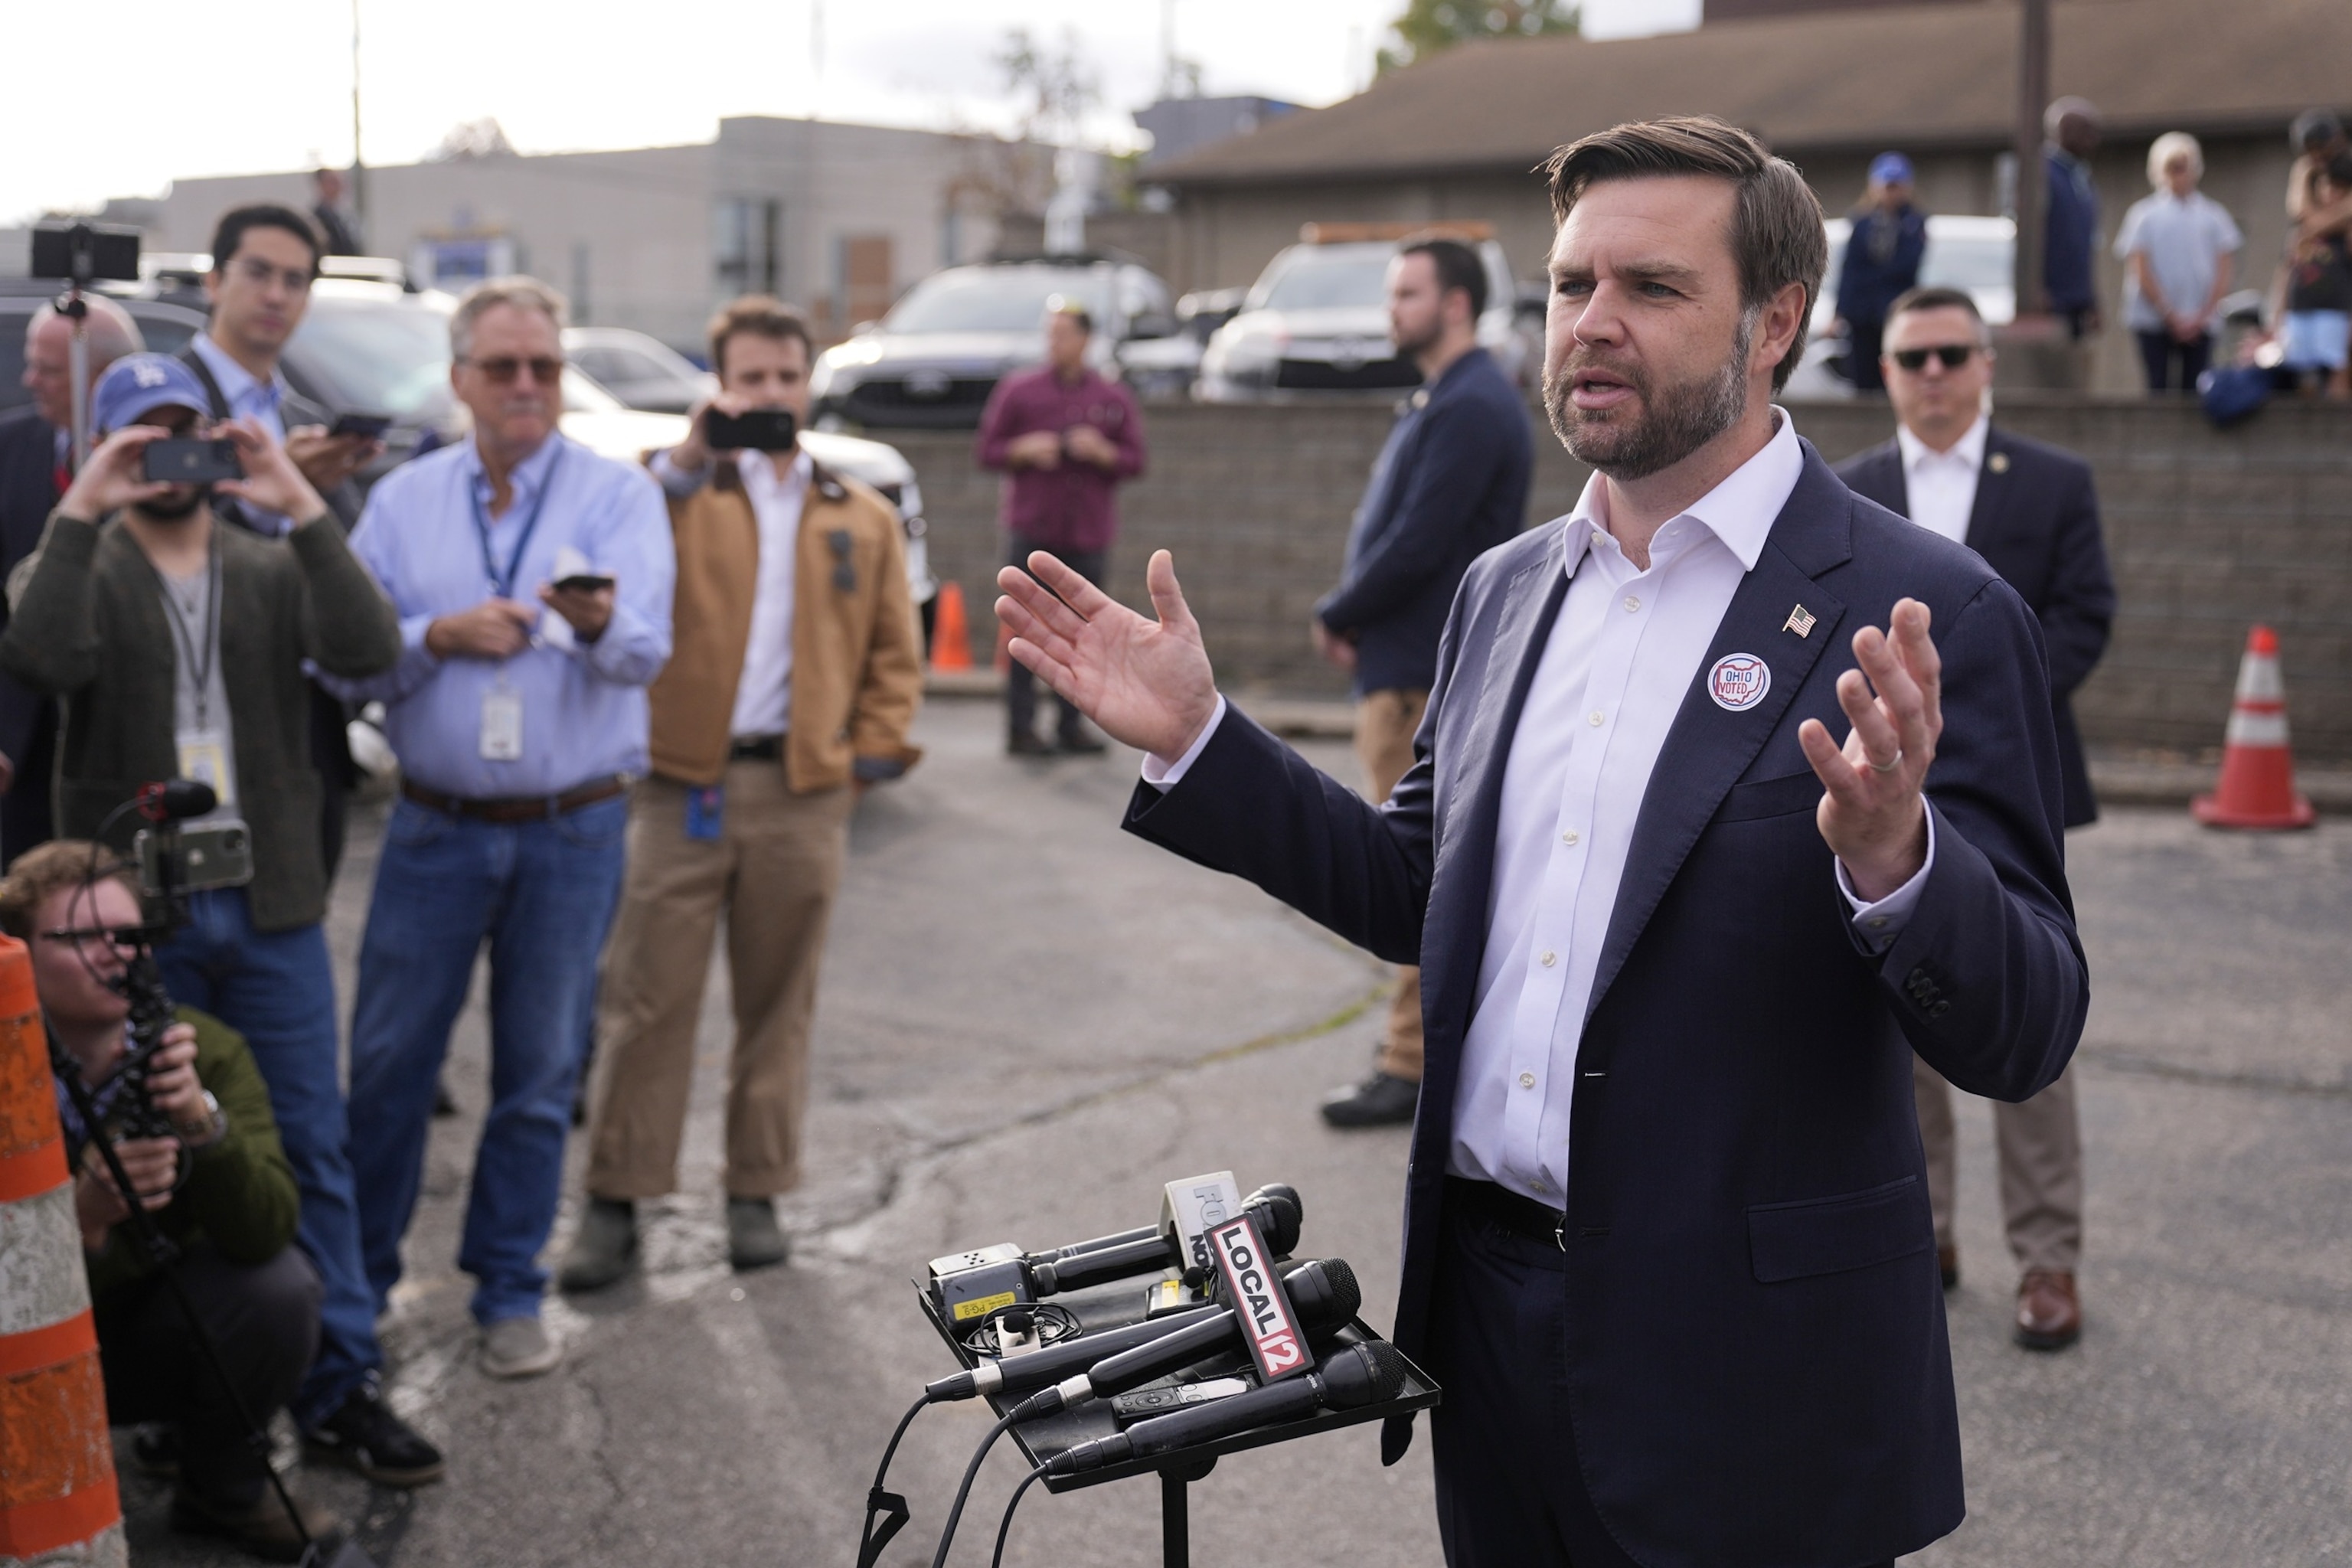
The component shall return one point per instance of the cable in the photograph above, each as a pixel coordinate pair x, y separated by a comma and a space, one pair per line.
971, 1471
889, 1507
1006, 1527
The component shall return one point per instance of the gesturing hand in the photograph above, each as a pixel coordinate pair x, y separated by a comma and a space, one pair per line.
1146, 683
1874, 816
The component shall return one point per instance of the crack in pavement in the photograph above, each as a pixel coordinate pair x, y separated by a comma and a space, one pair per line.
2123, 1060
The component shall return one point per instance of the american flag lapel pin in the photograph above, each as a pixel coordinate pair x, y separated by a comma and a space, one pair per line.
1799, 621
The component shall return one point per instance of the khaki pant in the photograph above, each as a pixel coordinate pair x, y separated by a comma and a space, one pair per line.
773, 869
1385, 722
2040, 1146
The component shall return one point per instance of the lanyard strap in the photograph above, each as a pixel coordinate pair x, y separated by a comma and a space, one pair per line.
199, 662
502, 582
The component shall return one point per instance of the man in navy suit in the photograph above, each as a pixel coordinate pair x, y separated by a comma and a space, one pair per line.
2033, 512
36, 464
1667, 1246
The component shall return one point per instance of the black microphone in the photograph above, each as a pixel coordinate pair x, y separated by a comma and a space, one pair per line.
1274, 1206
176, 800
1348, 1379
1325, 1295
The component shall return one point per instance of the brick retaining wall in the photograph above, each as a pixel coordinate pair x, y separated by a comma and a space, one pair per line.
2209, 532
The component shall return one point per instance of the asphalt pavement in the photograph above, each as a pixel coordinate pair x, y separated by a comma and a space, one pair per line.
1030, 1021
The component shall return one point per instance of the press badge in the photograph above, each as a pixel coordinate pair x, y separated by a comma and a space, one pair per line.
501, 724
203, 757
704, 811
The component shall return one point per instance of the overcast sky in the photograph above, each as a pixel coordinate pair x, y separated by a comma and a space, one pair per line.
266, 84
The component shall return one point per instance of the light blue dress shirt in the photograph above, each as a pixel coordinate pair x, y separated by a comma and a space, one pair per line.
583, 704
248, 398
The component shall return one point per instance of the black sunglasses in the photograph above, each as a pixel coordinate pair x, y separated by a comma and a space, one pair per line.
1954, 355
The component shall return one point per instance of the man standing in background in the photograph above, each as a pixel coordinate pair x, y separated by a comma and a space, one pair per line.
1065, 438
1883, 252
2030, 511
1450, 484
2070, 243
36, 468
339, 231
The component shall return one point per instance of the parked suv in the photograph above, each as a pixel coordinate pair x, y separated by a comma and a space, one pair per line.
1316, 322
640, 369
932, 362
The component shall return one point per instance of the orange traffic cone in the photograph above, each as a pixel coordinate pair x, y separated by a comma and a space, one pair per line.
951, 633
2257, 787
57, 1500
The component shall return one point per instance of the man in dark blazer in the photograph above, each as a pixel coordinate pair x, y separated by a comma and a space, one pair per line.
1450, 484
35, 466
2033, 512
1667, 1246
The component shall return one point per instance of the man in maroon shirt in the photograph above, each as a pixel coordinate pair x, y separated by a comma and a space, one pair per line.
1063, 438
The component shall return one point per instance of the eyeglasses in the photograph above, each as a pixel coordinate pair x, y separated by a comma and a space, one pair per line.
1954, 355
506, 370
261, 275
83, 936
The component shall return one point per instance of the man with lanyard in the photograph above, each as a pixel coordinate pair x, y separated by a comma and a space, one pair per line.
179, 647
532, 579
264, 260
36, 468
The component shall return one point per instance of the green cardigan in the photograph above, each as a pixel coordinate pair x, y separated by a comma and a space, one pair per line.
90, 628
240, 1193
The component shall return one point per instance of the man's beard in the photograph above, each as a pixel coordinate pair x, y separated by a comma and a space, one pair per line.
171, 508
1676, 420
1417, 344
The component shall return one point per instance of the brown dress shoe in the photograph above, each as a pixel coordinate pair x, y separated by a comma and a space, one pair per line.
2049, 1315
1948, 1263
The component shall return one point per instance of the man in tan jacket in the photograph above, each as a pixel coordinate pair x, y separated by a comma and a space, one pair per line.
794, 671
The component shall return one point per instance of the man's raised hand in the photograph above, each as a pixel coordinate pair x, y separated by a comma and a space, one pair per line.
1874, 816
1146, 683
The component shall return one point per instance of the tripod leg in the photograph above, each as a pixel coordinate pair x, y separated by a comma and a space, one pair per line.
1175, 1523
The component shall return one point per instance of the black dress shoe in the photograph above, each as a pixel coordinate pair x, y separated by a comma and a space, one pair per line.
1948, 1263
1381, 1100
364, 1435
1023, 744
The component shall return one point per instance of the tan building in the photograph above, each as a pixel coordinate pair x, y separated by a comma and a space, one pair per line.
1457, 136
837, 219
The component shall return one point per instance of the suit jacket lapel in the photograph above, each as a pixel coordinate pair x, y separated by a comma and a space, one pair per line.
1992, 493
1710, 746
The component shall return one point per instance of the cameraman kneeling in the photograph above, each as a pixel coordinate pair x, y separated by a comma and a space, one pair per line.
220, 1189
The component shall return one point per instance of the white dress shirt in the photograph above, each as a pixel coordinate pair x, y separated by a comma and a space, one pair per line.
1942, 486
1624, 651
763, 694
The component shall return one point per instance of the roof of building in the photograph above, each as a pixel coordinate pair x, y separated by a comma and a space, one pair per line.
1920, 77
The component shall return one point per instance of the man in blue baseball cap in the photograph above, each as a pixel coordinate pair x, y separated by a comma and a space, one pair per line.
123, 614
1882, 264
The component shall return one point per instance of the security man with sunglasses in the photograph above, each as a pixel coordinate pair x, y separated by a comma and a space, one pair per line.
2030, 511
797, 671
532, 579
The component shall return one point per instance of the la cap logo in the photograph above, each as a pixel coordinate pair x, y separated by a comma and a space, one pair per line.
1738, 681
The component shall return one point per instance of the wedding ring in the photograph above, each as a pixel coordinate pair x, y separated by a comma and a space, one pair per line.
1886, 767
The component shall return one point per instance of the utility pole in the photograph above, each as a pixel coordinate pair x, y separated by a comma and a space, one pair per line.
2032, 183
359, 163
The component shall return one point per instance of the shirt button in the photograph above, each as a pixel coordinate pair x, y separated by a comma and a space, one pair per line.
1569, 838
1632, 603
1596, 718
1549, 959
1526, 1081
1878, 922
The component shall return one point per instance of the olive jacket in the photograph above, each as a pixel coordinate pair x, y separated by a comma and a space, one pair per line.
90, 628
857, 662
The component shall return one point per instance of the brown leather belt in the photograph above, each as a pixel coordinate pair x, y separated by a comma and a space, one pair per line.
516, 808
1522, 1217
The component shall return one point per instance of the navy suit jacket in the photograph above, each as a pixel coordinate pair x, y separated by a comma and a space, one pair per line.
1757, 1355
2036, 522
1451, 484
28, 492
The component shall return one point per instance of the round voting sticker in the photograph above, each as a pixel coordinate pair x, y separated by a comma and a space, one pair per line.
1738, 681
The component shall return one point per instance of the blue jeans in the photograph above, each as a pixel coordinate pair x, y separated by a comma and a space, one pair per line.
278, 990
542, 894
